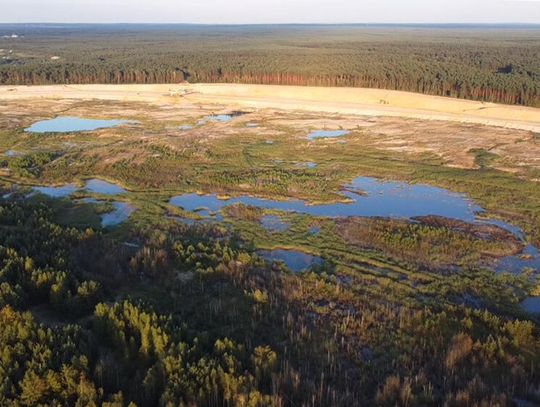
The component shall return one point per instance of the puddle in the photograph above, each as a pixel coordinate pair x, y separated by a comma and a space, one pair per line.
314, 230
274, 224
186, 127
12, 153
327, 134
531, 305
308, 165
220, 118
252, 125
368, 198
294, 260
98, 186
72, 124
122, 212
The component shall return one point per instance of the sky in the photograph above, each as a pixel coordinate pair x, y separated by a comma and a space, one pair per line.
270, 11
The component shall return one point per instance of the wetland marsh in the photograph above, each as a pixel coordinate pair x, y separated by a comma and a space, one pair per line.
411, 226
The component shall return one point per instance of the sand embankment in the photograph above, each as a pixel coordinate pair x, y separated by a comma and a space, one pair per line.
370, 102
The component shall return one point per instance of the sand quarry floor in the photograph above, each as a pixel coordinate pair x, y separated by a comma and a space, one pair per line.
390, 120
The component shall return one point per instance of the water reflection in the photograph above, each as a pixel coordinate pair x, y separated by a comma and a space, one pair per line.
103, 187
72, 124
295, 261
368, 197
327, 134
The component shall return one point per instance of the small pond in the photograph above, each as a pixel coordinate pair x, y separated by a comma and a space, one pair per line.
308, 165
222, 118
314, 230
186, 127
96, 186
294, 260
57, 192
99, 186
327, 134
274, 224
72, 124
122, 212
12, 153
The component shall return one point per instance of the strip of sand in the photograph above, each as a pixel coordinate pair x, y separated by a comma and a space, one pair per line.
357, 101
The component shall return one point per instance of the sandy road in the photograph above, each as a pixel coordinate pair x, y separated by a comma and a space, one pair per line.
356, 101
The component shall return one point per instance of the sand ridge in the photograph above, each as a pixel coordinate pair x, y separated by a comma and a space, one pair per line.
356, 101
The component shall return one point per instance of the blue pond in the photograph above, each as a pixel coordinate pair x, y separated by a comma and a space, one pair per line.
122, 212
57, 192
98, 186
368, 197
273, 223
93, 185
72, 124
294, 260
327, 134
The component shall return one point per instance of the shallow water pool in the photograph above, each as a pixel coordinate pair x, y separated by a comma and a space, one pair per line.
274, 224
327, 134
294, 260
57, 192
122, 212
99, 186
72, 124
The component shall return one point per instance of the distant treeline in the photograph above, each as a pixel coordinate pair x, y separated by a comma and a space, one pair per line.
482, 65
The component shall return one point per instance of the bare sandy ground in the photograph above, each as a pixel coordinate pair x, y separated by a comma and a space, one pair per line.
355, 101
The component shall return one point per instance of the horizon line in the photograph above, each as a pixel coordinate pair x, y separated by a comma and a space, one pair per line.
498, 23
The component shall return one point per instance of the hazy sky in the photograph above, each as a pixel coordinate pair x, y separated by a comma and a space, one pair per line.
271, 11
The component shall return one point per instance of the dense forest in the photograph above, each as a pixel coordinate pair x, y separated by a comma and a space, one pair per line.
190, 315
498, 64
